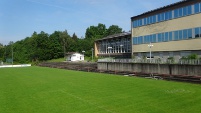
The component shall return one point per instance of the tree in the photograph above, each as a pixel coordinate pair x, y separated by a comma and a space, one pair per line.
1, 52
113, 29
95, 32
64, 37
74, 37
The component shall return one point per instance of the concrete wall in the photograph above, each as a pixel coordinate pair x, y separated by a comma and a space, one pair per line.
170, 69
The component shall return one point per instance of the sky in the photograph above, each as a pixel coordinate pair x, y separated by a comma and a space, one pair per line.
20, 18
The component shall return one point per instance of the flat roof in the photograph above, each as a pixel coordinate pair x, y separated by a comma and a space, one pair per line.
167, 7
115, 36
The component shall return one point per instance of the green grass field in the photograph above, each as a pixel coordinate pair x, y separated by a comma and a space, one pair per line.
48, 90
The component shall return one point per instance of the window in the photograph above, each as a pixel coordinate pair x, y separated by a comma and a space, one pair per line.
145, 21
166, 15
176, 35
197, 8
184, 11
180, 35
185, 34
170, 14
162, 16
197, 32
134, 24
140, 40
200, 31
148, 20
148, 39
140, 22
180, 12
170, 36
162, 37
176, 11
154, 19
200, 7
154, 38
135, 40
189, 33
145, 39
166, 37
159, 37
151, 38
189, 10
151, 19
159, 18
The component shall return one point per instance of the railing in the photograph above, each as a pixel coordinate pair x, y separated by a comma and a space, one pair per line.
154, 61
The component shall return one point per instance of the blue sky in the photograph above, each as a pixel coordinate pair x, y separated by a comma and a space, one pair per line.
20, 18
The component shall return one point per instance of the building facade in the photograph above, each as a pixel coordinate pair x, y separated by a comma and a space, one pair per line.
173, 31
116, 46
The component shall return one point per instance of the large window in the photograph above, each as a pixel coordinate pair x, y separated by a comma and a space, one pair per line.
185, 34
189, 33
166, 37
176, 13
180, 35
189, 10
176, 35
159, 37
170, 36
180, 12
154, 38
184, 11
140, 40
200, 7
197, 8
200, 31
197, 32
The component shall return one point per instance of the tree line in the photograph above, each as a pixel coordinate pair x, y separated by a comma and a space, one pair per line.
43, 46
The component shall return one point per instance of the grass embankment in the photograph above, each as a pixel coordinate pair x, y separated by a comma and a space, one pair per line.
47, 90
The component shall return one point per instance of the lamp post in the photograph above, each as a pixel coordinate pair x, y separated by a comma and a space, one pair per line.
92, 49
83, 53
109, 48
150, 45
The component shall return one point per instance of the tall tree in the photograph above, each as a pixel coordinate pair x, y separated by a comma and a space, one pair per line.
95, 32
1, 52
64, 37
74, 37
113, 29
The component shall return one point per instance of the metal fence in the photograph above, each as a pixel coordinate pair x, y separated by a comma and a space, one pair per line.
154, 61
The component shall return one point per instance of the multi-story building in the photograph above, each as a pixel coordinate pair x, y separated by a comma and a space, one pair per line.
116, 46
173, 31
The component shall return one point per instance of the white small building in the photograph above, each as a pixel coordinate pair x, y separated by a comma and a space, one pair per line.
74, 56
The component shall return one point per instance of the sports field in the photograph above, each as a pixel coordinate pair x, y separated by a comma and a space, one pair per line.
48, 90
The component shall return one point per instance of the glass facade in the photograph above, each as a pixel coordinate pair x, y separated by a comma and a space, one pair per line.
116, 45
168, 15
168, 36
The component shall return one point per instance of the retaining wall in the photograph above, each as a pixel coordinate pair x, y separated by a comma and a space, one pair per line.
169, 69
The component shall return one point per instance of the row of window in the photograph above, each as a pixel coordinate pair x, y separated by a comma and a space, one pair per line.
180, 12
168, 36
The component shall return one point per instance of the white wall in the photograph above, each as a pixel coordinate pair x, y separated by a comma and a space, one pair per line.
75, 57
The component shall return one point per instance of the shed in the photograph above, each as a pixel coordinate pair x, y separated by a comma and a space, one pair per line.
74, 56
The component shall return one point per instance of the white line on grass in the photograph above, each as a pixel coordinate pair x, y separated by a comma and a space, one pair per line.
81, 99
